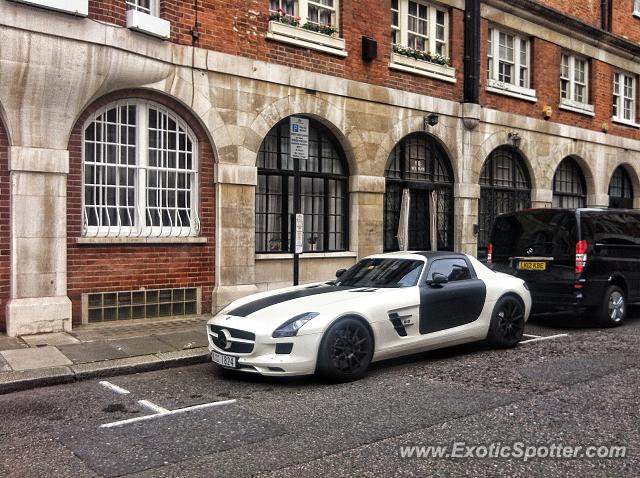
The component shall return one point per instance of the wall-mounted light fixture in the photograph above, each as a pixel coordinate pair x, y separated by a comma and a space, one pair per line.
431, 120
514, 139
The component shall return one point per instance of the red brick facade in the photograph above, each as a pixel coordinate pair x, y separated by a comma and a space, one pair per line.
102, 268
5, 221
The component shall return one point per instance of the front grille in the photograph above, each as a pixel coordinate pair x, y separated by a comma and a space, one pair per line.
242, 342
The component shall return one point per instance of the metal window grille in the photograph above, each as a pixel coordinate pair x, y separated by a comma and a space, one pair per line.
620, 189
144, 6
318, 185
140, 304
140, 173
504, 187
420, 164
569, 190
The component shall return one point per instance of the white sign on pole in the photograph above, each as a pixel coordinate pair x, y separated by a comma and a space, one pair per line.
299, 138
299, 233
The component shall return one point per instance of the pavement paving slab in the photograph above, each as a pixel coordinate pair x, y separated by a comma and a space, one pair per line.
186, 340
34, 358
92, 352
141, 346
10, 343
4, 366
54, 339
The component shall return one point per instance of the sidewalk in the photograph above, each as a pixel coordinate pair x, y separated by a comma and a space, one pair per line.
100, 350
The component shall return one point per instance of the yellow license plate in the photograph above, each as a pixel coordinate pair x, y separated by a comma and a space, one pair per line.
532, 266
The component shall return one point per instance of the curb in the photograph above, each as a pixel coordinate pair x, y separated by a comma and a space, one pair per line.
28, 379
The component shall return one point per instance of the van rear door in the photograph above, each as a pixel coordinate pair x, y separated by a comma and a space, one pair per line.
539, 246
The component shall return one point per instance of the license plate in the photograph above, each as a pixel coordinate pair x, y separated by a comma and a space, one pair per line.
224, 360
532, 266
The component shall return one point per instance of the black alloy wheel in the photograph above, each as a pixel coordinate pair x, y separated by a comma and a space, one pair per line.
346, 351
507, 323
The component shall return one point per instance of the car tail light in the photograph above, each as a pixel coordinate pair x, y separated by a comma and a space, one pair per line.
490, 253
581, 256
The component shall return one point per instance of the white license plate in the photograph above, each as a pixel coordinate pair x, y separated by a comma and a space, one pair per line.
224, 360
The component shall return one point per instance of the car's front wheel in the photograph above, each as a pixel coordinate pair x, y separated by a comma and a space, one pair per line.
507, 323
613, 309
345, 351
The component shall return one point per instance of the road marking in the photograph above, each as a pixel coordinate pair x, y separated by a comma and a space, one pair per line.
549, 337
152, 406
532, 336
166, 413
114, 388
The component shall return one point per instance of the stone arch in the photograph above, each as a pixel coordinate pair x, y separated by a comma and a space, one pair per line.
496, 140
311, 106
633, 175
585, 168
401, 130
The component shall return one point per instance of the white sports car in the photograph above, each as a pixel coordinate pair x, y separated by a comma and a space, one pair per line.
385, 306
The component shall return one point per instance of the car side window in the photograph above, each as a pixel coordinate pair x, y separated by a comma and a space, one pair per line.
452, 269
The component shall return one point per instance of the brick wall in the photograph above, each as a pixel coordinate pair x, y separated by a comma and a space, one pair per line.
103, 268
586, 10
5, 221
624, 22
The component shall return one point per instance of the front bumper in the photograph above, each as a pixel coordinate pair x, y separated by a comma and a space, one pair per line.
264, 360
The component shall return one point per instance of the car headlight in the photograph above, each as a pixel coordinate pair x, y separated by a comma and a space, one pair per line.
290, 327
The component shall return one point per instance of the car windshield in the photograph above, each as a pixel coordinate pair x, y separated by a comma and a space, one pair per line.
382, 273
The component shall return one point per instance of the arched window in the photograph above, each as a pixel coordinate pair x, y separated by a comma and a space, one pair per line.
419, 165
316, 187
140, 172
569, 189
504, 187
620, 189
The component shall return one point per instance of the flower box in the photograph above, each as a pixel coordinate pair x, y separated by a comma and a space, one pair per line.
306, 38
422, 67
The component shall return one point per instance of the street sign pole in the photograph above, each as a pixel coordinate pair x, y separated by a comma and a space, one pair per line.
297, 228
299, 150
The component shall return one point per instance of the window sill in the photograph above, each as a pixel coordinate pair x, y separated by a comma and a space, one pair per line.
577, 107
74, 7
141, 240
423, 68
305, 255
306, 38
514, 91
625, 122
145, 23
636, 14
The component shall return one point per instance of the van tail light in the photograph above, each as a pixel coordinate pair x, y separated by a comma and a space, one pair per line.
581, 256
490, 254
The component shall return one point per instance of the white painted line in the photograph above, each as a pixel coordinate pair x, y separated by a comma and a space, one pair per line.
165, 414
114, 388
549, 337
152, 406
532, 336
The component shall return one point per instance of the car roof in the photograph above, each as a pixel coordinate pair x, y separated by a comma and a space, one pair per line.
419, 255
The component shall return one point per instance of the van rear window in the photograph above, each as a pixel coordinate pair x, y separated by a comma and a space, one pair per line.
549, 233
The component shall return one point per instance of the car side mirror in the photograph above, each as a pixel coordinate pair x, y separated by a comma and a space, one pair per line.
438, 279
339, 272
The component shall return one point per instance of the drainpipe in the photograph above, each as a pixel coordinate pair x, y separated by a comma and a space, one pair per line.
606, 12
472, 51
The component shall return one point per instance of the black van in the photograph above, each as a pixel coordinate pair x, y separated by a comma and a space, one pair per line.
573, 260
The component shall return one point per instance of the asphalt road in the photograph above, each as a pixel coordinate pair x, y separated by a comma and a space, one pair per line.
579, 389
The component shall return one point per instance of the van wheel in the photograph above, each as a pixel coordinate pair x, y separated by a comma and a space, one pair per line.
507, 323
613, 309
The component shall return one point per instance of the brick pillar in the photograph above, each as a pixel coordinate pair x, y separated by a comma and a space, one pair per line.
39, 301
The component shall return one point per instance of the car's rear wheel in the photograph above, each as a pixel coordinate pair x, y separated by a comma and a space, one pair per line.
507, 323
345, 351
613, 309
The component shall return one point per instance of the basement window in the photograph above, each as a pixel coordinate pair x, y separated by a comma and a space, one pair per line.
140, 304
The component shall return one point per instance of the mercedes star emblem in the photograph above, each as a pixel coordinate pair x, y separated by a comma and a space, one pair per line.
224, 341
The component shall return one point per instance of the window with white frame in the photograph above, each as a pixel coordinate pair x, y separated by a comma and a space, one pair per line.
508, 65
321, 12
420, 26
574, 80
624, 97
151, 7
140, 172
636, 7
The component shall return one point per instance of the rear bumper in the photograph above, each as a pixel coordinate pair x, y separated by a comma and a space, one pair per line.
590, 295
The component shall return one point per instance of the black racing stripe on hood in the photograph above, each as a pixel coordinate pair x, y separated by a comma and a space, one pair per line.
256, 305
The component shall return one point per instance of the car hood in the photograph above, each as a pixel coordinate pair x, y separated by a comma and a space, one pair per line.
266, 311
